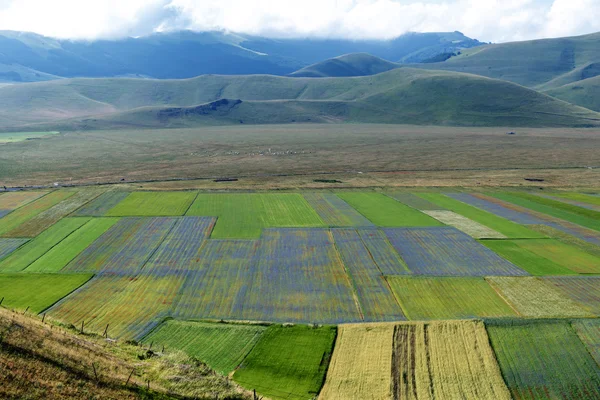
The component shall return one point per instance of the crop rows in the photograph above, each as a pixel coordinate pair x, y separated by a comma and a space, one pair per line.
374, 295
102, 204
161, 204
37, 291
216, 285
361, 366
567, 256
13, 200
25, 213
498, 224
124, 248
583, 290
37, 247
221, 346
414, 201
446, 251
588, 331
464, 224
535, 264
55, 259
424, 298
532, 297
299, 277
49, 217
180, 247
7, 246
288, 362
566, 238
450, 360
385, 211
572, 202
479, 201
383, 253
544, 360
335, 211
130, 306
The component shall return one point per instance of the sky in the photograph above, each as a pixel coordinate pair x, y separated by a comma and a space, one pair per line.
486, 20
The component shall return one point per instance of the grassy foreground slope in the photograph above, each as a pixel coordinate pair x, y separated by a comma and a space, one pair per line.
583, 93
399, 96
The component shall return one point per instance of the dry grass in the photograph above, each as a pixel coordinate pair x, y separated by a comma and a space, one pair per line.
450, 360
361, 364
470, 227
47, 361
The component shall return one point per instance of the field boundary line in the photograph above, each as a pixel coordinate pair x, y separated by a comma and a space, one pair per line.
498, 292
349, 276
92, 276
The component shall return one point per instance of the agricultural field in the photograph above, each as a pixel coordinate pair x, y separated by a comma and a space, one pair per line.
253, 284
451, 360
425, 298
386, 211
244, 216
533, 297
288, 362
161, 204
221, 346
446, 251
516, 251
16, 289
361, 366
544, 360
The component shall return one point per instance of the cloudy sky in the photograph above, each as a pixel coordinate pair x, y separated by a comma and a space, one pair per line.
487, 20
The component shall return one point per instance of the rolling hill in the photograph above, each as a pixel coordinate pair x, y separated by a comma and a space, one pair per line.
585, 93
398, 96
356, 64
28, 57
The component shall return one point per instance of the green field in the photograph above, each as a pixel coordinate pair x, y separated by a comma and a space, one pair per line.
25, 213
567, 239
499, 224
567, 256
288, 362
62, 253
10, 137
37, 291
162, 204
385, 211
221, 346
425, 298
544, 360
585, 198
243, 216
516, 251
39, 246
553, 208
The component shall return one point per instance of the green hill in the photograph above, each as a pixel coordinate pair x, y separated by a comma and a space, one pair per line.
585, 93
399, 96
532, 63
357, 64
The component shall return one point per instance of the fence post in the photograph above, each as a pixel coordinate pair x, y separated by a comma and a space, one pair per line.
126, 383
43, 317
105, 334
82, 327
27, 309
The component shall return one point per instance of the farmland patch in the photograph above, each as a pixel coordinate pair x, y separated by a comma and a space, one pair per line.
532, 297
102, 204
383, 253
544, 359
361, 366
584, 290
464, 224
424, 298
221, 346
480, 201
446, 251
13, 200
288, 362
9, 245
385, 211
414, 201
563, 254
589, 333
17, 289
334, 211
450, 360
160, 204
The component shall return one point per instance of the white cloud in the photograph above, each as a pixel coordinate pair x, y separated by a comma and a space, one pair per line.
488, 20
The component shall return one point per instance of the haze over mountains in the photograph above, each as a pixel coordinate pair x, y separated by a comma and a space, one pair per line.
552, 82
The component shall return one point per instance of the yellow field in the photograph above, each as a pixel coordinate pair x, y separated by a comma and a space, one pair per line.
532, 297
451, 360
361, 364
468, 226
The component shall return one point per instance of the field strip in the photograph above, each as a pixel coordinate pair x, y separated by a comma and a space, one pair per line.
9, 245
471, 228
589, 333
334, 211
361, 366
155, 204
101, 204
584, 290
414, 201
383, 253
13, 200
445, 360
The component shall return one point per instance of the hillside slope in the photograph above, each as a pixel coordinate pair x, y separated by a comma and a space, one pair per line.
45, 361
28, 57
532, 63
585, 93
399, 96
356, 64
